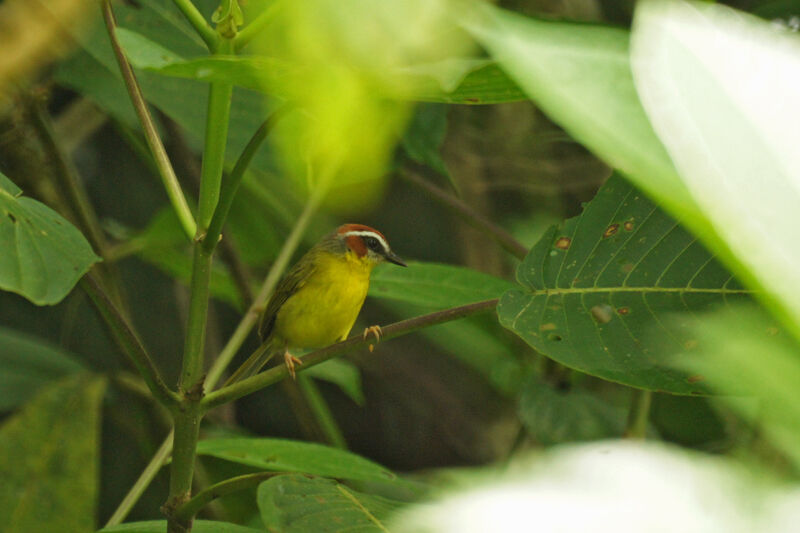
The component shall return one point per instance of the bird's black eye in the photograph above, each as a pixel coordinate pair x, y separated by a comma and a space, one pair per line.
373, 244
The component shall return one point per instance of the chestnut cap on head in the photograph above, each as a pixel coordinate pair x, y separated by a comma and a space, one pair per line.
363, 240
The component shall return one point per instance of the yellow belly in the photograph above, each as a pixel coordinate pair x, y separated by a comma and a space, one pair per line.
324, 310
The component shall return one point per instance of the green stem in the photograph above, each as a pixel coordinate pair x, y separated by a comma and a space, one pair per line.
129, 342
141, 484
192, 370
639, 414
257, 26
467, 213
198, 22
230, 185
163, 163
217, 118
322, 413
184, 448
275, 374
229, 486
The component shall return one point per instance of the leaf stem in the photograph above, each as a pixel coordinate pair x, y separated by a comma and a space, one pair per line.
275, 374
198, 22
639, 413
129, 343
411, 173
255, 27
216, 138
234, 484
160, 157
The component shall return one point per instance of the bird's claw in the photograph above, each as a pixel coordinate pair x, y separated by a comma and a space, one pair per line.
290, 362
376, 331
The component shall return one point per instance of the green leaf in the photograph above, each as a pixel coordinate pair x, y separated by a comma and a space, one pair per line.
435, 285
198, 526
49, 459
596, 286
294, 503
26, 364
452, 81
341, 373
734, 143
552, 417
424, 137
43, 256
295, 456
579, 75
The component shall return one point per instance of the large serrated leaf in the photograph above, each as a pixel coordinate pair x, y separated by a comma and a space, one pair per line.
295, 456
43, 256
49, 459
597, 287
296, 503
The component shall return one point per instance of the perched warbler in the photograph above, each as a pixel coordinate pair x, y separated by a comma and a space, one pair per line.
318, 301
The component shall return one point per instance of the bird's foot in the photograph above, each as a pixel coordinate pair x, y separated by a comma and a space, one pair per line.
290, 361
376, 331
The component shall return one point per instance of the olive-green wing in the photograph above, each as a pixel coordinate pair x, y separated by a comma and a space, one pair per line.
294, 279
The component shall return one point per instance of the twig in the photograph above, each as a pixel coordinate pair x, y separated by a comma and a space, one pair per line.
198, 22
234, 484
160, 157
275, 374
504, 239
255, 27
130, 343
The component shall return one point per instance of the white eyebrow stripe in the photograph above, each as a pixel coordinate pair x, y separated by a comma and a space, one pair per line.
370, 234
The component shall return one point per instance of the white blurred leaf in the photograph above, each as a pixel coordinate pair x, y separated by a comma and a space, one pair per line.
721, 90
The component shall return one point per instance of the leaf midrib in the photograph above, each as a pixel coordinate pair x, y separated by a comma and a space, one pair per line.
596, 290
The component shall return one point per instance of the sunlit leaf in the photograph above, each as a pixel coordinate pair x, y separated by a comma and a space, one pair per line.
596, 286
43, 256
294, 503
720, 88
49, 456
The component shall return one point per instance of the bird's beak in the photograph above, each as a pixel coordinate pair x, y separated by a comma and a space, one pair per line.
394, 258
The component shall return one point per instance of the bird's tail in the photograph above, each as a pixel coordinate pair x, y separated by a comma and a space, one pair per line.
254, 363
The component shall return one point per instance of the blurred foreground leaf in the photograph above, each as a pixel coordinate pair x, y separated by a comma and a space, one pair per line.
26, 364
598, 284
43, 256
295, 456
734, 142
49, 458
741, 351
294, 503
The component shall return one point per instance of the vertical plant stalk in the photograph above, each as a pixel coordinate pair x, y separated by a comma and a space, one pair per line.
163, 164
219, 109
198, 22
639, 414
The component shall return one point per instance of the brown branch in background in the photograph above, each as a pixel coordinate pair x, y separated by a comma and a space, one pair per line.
413, 173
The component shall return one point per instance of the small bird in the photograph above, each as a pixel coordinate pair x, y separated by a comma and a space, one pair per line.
318, 301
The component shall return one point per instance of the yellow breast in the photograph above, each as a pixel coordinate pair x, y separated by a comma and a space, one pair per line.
324, 310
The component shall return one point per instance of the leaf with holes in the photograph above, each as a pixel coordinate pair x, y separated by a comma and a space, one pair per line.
43, 256
295, 503
601, 285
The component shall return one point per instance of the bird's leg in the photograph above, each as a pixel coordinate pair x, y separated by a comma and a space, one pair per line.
290, 361
376, 331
